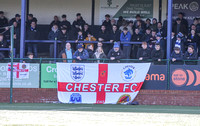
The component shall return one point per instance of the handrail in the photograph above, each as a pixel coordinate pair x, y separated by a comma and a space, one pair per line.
73, 41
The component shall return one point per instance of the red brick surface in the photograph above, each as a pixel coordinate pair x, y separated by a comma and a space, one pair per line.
145, 97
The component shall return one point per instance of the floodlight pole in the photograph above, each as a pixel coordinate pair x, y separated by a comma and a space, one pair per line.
169, 28
11, 53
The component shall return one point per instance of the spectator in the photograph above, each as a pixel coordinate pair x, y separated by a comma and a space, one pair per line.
90, 37
179, 42
81, 54
124, 24
65, 23
99, 54
55, 21
138, 18
144, 53
159, 29
16, 38
152, 40
154, 24
177, 56
137, 37
67, 53
148, 23
90, 50
33, 34
3, 44
190, 54
120, 21
183, 21
15, 19
130, 27
86, 30
113, 22
114, 36
116, 53
173, 41
103, 36
79, 22
30, 20
179, 27
126, 37
107, 22
140, 27
193, 39
161, 41
147, 35
29, 59
64, 37
157, 54
3, 21
54, 34
79, 36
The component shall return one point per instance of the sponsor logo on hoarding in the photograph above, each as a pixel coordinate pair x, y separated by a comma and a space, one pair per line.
155, 77
77, 72
194, 6
128, 73
182, 77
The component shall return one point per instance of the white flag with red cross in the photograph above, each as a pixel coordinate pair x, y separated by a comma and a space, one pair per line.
20, 70
113, 83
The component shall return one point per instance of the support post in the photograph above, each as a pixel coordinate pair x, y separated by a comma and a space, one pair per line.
11, 52
93, 11
23, 28
169, 28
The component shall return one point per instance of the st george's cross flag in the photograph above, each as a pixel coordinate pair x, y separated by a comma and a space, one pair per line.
115, 83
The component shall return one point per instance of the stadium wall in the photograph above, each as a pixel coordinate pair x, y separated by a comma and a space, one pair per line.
45, 10
145, 97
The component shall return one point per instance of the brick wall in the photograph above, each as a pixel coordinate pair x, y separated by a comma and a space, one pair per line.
145, 97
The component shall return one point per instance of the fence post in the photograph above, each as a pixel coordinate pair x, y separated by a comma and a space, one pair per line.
168, 74
55, 47
11, 72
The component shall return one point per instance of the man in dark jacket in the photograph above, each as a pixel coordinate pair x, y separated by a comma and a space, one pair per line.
79, 22
144, 53
116, 53
147, 35
81, 54
177, 56
54, 34
3, 21
90, 50
114, 36
17, 19
107, 22
191, 54
65, 23
55, 21
30, 20
33, 34
3, 44
103, 36
157, 54
179, 27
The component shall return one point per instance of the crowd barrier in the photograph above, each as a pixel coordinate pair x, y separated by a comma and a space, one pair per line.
161, 76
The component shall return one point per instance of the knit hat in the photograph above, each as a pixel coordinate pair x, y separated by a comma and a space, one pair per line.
158, 35
180, 35
79, 46
116, 45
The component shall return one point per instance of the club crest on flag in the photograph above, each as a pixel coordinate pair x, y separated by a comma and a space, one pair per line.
128, 73
124, 99
77, 72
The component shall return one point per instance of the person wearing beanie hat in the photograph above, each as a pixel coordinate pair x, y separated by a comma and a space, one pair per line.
179, 42
116, 53
159, 40
81, 54
177, 56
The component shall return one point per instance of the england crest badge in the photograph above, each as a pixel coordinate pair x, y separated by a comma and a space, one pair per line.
77, 72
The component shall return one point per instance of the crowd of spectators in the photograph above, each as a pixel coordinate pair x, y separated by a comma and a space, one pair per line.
120, 35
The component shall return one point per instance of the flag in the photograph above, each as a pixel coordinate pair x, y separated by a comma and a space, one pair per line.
114, 83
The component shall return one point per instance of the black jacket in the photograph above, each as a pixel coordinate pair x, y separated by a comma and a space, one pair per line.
79, 22
107, 24
115, 35
118, 55
104, 35
66, 24
193, 56
157, 54
146, 38
52, 35
144, 53
178, 57
3, 44
137, 37
32, 34
90, 52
